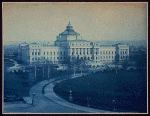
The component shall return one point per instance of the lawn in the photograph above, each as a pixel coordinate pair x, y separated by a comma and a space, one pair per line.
127, 88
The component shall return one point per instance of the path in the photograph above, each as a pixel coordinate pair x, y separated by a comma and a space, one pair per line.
50, 103
43, 105
49, 93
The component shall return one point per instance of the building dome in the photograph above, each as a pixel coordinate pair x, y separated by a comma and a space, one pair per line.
69, 30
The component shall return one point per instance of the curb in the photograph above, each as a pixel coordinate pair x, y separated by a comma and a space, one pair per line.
65, 103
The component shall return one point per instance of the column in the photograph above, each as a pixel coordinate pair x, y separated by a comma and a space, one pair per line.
74, 51
70, 51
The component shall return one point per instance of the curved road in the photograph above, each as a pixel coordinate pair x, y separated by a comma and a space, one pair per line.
43, 105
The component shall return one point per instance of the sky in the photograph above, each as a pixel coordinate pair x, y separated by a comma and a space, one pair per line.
36, 22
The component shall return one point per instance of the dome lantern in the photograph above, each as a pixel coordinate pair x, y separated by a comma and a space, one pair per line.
69, 26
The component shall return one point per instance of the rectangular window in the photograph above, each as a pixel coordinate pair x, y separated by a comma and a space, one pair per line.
109, 52
35, 53
32, 53
100, 52
47, 53
54, 53
103, 52
72, 53
112, 52
106, 52
38, 53
44, 53
91, 51
57, 57
51, 53
60, 52
64, 53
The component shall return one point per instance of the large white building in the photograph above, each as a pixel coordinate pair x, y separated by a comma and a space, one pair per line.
69, 44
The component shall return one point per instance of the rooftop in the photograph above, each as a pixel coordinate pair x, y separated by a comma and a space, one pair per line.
34, 43
69, 30
79, 40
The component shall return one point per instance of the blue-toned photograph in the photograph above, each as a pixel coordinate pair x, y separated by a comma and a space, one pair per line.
75, 58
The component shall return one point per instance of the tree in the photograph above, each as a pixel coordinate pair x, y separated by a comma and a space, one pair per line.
35, 64
67, 61
83, 65
141, 59
116, 61
50, 66
125, 64
75, 64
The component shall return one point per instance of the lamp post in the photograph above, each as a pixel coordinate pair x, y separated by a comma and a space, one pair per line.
43, 67
33, 99
35, 71
70, 97
74, 70
81, 70
88, 102
34, 64
114, 102
48, 71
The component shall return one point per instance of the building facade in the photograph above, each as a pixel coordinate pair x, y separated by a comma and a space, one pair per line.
69, 44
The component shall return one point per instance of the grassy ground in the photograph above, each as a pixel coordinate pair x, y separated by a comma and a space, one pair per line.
127, 88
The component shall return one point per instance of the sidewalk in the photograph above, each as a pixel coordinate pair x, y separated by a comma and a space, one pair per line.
49, 93
47, 103
43, 105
